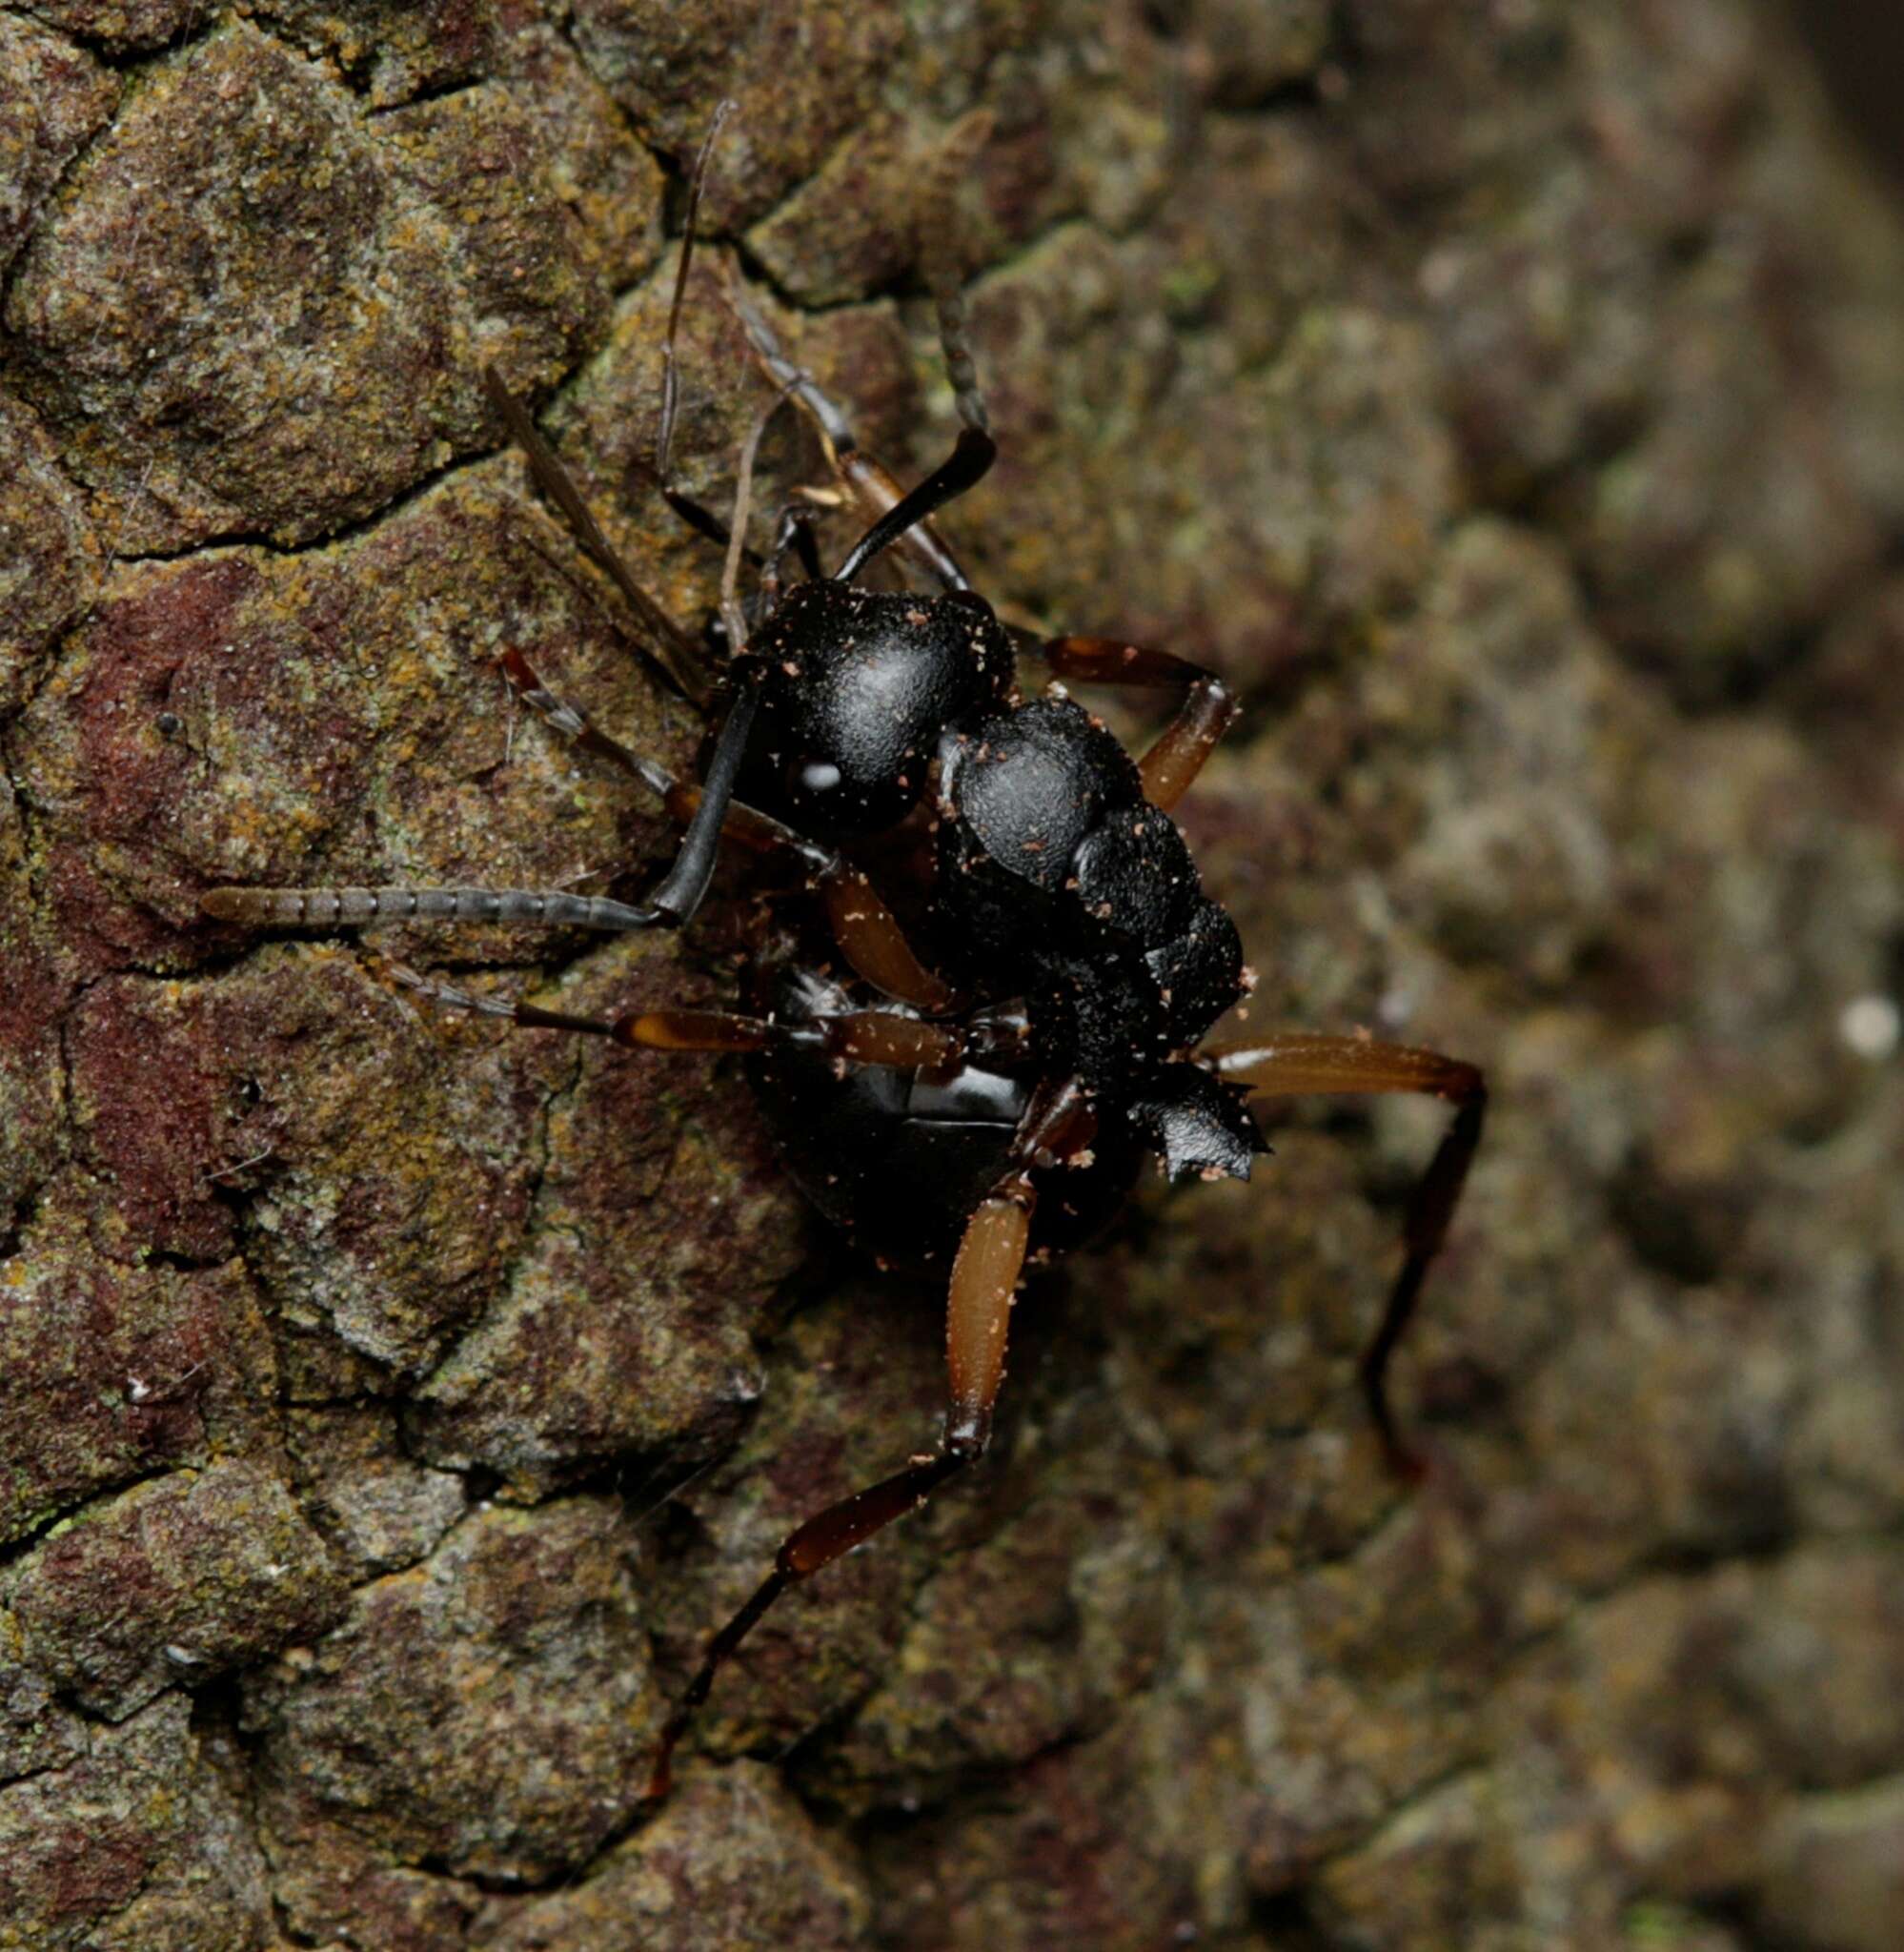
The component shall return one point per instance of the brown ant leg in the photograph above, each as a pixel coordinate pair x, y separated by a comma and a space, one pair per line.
867, 931
1298, 1066
856, 1037
871, 940
978, 1314
861, 1037
1207, 710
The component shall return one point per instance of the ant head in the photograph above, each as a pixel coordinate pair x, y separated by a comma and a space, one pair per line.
857, 686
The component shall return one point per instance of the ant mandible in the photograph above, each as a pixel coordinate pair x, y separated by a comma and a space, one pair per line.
1003, 1093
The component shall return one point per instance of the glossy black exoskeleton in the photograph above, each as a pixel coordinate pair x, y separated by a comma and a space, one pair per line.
1057, 886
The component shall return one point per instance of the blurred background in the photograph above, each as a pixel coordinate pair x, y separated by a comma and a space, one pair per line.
1861, 46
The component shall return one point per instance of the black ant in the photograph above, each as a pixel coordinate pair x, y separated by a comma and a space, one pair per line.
995, 1098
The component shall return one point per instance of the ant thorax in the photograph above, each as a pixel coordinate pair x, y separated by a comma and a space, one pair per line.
1057, 875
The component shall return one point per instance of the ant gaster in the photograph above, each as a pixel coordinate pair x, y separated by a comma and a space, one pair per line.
1000, 1096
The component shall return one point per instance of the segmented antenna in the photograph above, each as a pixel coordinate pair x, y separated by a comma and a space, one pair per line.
356, 907
938, 236
961, 368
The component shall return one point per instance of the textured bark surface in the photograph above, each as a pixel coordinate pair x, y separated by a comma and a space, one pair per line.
1509, 400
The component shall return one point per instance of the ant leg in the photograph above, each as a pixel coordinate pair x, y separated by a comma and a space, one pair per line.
792, 530
574, 724
676, 663
857, 1037
867, 931
871, 941
977, 1314
1209, 708
1298, 1066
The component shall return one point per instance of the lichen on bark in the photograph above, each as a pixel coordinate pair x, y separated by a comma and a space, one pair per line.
1509, 401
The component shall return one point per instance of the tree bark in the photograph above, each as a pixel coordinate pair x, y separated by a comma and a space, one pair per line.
1509, 402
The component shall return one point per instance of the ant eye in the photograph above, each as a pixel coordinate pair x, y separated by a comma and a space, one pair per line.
814, 776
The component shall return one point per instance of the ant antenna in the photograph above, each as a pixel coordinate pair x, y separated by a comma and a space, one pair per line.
956, 342
975, 450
